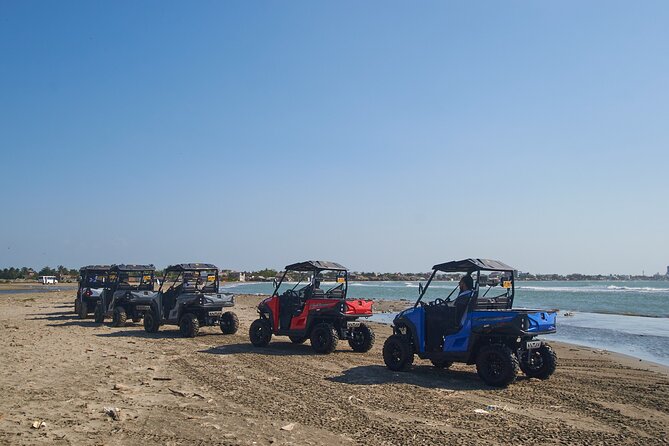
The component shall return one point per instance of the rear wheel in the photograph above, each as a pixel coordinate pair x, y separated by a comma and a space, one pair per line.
324, 338
497, 365
398, 353
99, 314
441, 364
189, 325
151, 324
362, 338
539, 363
76, 306
119, 317
260, 333
82, 310
229, 323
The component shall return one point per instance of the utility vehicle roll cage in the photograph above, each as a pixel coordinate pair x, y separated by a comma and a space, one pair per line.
191, 275
470, 266
131, 277
316, 267
90, 275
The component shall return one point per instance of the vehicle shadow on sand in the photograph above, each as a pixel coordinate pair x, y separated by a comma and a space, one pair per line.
167, 334
55, 316
273, 349
422, 376
75, 322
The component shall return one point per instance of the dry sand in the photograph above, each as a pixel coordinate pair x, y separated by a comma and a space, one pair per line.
59, 373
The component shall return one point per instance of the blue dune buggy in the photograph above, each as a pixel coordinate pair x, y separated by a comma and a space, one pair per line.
474, 328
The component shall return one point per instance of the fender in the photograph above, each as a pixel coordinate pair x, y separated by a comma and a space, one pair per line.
271, 305
418, 341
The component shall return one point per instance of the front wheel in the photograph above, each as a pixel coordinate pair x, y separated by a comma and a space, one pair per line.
361, 338
119, 317
324, 338
398, 353
260, 333
497, 365
539, 363
151, 323
229, 323
189, 325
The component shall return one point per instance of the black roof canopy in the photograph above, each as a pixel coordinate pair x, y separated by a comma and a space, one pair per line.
317, 265
124, 267
470, 265
190, 267
94, 268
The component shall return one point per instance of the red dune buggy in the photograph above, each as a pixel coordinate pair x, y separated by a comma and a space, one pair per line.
309, 302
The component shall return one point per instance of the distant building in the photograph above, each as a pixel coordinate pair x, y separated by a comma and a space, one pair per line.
242, 277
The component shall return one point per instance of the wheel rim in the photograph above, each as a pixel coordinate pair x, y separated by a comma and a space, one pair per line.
534, 360
395, 354
261, 332
228, 322
320, 337
495, 366
358, 338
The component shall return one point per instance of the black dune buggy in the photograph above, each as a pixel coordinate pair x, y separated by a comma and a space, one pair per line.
92, 281
126, 286
189, 297
303, 310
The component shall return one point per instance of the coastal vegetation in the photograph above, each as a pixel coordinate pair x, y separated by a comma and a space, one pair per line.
65, 274
27, 273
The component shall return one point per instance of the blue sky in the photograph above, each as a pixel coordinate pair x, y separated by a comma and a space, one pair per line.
387, 136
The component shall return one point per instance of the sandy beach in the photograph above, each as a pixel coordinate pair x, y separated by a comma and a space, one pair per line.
71, 381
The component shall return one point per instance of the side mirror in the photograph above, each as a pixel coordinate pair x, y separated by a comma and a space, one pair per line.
420, 288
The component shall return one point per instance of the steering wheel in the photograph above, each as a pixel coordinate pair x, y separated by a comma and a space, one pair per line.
438, 301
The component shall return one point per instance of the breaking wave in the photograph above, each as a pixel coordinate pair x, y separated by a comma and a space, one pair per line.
594, 289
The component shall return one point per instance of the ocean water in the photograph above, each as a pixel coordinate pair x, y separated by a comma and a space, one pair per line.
629, 317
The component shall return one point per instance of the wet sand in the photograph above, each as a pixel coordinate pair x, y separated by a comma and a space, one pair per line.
219, 389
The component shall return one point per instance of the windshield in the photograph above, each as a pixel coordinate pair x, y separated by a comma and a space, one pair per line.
199, 280
491, 286
311, 284
132, 279
495, 286
94, 279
